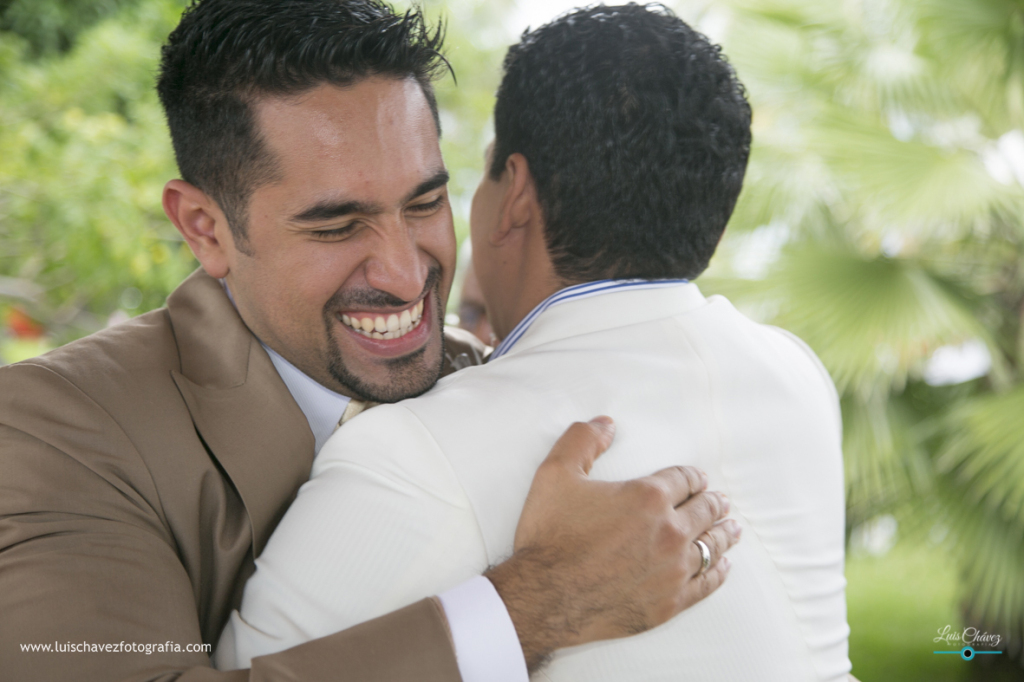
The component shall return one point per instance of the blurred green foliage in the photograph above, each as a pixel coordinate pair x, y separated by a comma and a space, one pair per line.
84, 154
51, 26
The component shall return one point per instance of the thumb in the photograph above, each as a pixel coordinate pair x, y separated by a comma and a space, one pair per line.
582, 443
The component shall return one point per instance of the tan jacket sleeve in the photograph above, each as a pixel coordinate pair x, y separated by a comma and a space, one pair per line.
89, 570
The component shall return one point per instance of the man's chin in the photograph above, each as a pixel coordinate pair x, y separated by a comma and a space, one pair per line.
389, 380
405, 377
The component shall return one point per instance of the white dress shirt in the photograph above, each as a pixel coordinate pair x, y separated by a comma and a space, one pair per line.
481, 628
412, 498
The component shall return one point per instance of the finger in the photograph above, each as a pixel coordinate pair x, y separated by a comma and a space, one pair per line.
581, 445
681, 483
713, 578
700, 512
718, 540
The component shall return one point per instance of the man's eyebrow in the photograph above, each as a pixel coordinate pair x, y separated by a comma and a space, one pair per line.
330, 209
438, 179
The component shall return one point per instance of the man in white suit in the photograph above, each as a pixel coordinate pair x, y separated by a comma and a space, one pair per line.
621, 139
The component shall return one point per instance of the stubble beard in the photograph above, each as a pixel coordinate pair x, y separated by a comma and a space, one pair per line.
409, 375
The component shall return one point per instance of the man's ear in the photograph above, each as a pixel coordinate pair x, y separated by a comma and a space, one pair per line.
520, 207
203, 225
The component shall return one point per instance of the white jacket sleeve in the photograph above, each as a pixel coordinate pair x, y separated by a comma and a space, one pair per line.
377, 527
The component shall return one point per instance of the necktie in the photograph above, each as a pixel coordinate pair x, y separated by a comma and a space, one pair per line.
355, 407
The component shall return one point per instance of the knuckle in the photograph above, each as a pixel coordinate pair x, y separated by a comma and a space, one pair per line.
717, 540
651, 494
694, 519
673, 538
709, 507
691, 477
656, 495
686, 527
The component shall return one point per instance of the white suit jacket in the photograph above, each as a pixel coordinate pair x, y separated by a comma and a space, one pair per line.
411, 499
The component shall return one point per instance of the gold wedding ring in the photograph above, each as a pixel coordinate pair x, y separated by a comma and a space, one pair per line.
705, 556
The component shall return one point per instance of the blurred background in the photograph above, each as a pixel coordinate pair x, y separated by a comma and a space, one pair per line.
882, 221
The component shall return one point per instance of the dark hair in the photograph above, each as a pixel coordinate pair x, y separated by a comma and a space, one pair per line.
225, 54
637, 134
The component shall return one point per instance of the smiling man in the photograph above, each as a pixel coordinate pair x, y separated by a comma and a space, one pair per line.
359, 227
143, 469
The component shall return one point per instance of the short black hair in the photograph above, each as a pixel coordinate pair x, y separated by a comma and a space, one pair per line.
226, 54
637, 134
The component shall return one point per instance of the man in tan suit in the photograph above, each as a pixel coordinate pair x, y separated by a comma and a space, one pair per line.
143, 468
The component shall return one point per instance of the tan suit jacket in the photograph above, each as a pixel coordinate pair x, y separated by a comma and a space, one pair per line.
141, 469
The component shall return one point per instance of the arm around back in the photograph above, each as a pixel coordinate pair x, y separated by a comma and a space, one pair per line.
93, 575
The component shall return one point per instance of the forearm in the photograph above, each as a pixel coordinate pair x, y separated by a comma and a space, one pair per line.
533, 596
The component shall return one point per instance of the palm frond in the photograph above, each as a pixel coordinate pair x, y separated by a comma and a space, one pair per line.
864, 55
873, 321
984, 452
912, 184
980, 46
990, 552
885, 462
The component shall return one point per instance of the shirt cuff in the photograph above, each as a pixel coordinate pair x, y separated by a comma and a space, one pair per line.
486, 645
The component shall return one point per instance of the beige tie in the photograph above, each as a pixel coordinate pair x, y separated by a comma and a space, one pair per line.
353, 408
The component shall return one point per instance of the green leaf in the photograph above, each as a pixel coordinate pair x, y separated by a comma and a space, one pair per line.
990, 552
873, 321
912, 186
984, 451
885, 462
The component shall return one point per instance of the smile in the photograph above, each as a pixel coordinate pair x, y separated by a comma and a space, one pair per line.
385, 326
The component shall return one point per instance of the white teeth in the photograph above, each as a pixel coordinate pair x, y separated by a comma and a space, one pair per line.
394, 326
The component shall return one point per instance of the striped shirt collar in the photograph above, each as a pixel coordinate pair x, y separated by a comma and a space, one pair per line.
576, 292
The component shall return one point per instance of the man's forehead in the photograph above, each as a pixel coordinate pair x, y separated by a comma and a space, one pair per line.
378, 129
370, 103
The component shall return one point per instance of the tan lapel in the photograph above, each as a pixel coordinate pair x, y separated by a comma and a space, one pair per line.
239, 404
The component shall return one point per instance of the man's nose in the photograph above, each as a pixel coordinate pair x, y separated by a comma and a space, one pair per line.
397, 267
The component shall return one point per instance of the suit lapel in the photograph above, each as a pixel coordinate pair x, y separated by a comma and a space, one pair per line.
239, 404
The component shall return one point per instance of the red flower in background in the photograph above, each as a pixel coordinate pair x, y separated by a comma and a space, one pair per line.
22, 326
